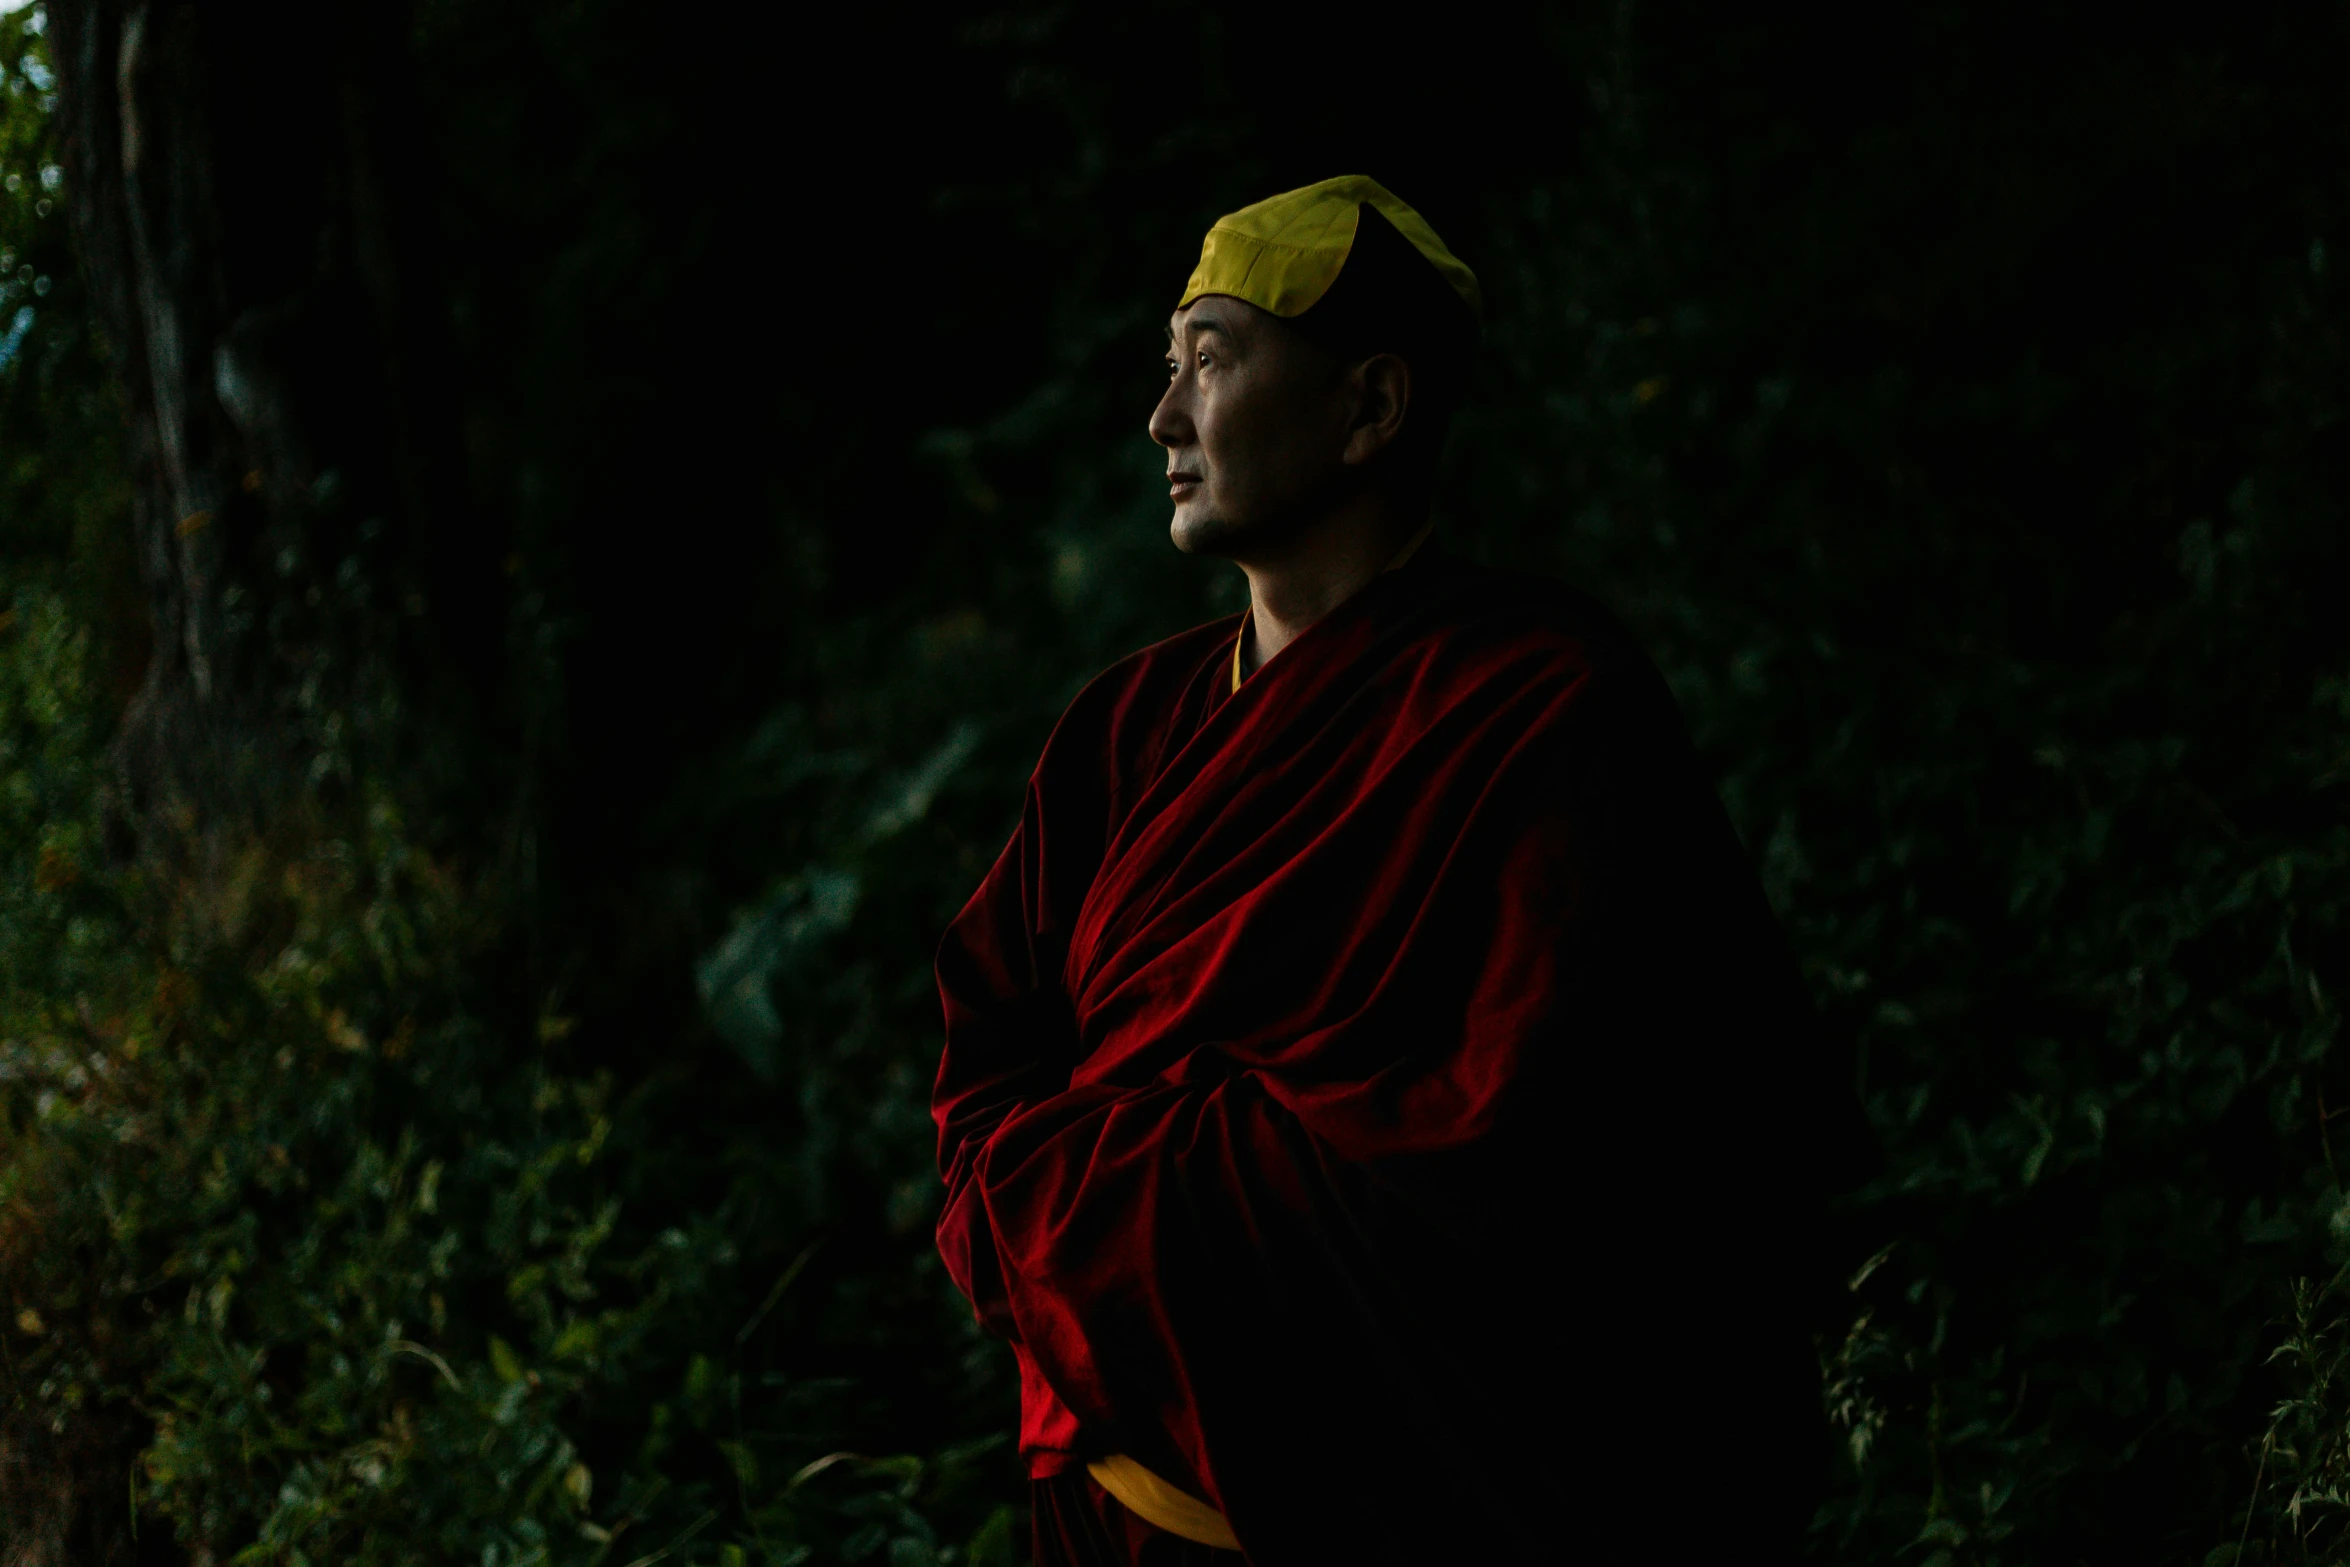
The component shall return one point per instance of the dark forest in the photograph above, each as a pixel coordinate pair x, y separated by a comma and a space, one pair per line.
539, 541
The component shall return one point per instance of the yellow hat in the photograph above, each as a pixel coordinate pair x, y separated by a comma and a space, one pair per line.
1283, 253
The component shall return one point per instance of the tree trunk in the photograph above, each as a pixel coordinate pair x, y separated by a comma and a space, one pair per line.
245, 183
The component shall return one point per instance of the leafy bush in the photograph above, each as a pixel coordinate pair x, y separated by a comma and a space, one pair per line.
278, 1178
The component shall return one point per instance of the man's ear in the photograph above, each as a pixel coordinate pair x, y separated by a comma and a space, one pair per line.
1382, 387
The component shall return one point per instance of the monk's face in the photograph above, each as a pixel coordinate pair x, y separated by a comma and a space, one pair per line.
1257, 422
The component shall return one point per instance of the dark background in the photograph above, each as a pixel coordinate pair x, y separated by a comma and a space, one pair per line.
465, 1059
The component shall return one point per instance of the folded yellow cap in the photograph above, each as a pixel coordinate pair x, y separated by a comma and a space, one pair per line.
1283, 253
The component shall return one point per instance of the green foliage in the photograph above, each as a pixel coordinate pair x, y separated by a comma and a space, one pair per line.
61, 485
349, 1242
2303, 1473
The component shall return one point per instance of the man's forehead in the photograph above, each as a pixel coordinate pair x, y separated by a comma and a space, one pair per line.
1208, 313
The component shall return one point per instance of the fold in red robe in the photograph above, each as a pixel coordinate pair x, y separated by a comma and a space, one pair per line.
1369, 1096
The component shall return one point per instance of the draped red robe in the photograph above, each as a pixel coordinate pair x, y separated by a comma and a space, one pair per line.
1370, 1097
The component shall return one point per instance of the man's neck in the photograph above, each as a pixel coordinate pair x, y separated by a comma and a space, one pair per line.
1320, 568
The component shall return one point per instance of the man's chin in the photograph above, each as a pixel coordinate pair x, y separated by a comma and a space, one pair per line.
1198, 531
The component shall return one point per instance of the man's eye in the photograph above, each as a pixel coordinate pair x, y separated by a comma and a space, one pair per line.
1172, 367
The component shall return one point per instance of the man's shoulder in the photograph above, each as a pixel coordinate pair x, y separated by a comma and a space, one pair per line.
1130, 704
1165, 669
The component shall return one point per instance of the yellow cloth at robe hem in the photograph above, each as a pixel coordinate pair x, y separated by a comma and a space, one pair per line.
1283, 253
1161, 1505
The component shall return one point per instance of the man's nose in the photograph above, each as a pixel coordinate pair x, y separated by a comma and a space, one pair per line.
1170, 424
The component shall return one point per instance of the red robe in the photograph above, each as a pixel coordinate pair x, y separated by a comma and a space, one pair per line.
1368, 1100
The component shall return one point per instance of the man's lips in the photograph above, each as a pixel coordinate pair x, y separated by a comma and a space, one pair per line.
1180, 484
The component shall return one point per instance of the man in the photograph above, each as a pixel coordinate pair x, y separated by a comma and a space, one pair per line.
1369, 1106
